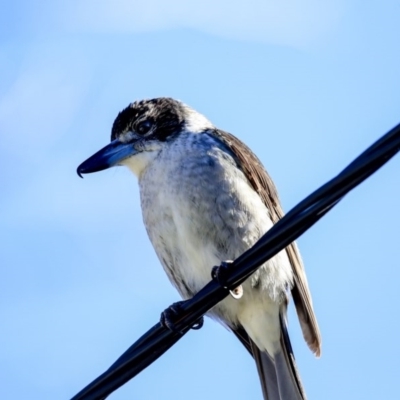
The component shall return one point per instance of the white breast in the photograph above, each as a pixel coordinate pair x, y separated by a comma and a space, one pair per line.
199, 210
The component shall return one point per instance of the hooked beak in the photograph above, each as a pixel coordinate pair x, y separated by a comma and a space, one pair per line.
110, 155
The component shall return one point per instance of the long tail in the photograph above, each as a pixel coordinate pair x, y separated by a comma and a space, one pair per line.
279, 377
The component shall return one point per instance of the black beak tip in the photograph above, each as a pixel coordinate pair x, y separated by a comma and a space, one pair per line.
80, 171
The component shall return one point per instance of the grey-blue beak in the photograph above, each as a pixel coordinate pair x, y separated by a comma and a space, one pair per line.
107, 157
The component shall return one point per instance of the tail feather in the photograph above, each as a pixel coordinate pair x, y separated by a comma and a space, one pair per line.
286, 362
267, 373
279, 376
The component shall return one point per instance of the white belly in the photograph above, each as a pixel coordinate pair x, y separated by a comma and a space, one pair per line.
207, 216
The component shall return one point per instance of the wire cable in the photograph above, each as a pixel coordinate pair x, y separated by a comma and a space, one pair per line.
158, 339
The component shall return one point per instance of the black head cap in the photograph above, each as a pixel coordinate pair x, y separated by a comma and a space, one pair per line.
165, 114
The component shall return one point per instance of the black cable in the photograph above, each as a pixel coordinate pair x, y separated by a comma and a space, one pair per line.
158, 339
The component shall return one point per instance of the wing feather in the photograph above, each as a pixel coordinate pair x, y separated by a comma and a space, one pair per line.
264, 186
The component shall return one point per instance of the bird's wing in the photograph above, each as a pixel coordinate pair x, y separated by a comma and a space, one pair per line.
242, 335
263, 185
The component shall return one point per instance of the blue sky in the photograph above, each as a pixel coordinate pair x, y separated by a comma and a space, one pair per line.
307, 84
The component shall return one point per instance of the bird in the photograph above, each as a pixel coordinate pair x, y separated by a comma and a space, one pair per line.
206, 198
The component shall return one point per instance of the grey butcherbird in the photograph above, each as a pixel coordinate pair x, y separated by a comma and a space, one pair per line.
205, 198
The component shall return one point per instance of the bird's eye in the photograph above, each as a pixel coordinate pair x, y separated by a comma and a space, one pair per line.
143, 127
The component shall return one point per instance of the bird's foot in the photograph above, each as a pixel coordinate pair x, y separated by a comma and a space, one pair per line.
237, 293
171, 315
220, 273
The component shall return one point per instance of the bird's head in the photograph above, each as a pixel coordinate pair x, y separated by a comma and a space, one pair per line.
140, 132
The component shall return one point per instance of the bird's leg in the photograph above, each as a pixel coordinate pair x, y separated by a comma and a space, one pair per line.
220, 273
172, 314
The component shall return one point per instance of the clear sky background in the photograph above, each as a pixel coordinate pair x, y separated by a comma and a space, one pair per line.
307, 84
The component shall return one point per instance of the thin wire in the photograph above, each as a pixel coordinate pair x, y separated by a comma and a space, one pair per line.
158, 339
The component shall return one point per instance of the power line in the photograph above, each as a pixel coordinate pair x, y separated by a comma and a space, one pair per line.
158, 339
